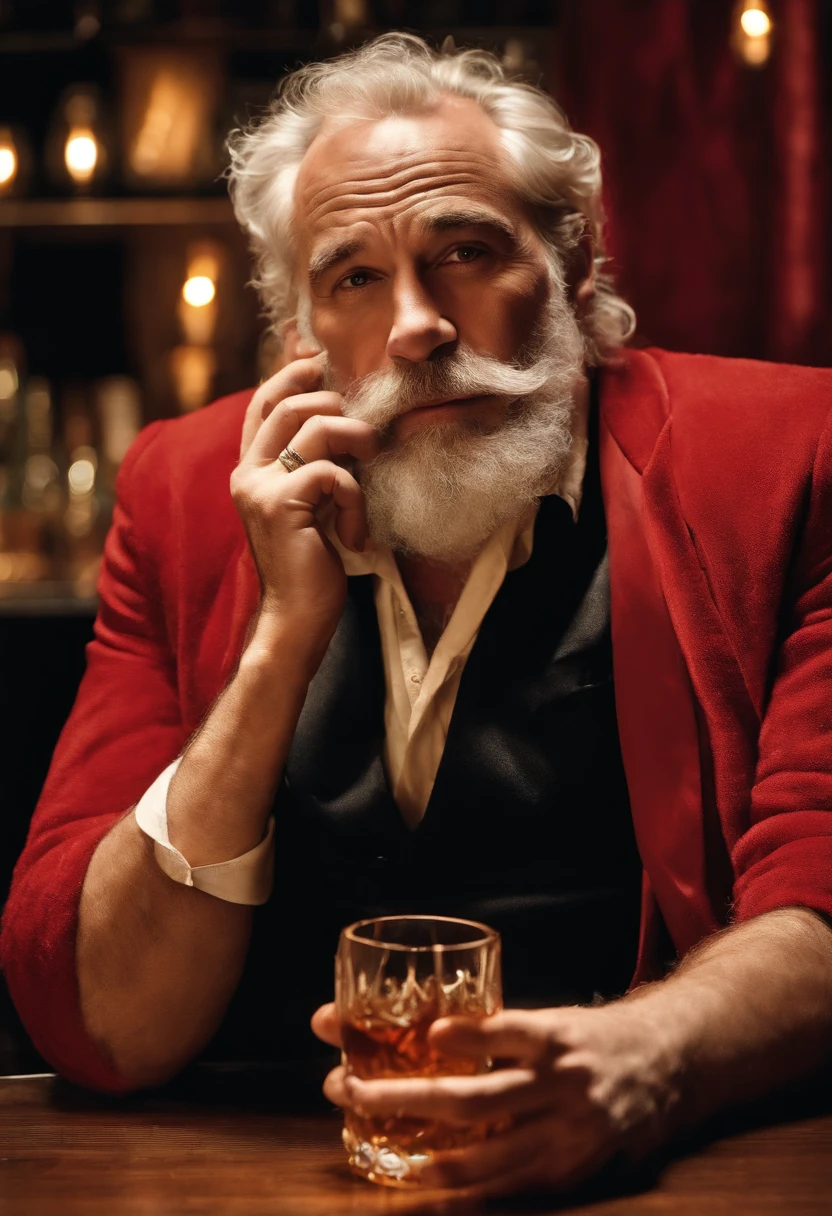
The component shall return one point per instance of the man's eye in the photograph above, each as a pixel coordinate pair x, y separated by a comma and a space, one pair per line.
358, 278
466, 253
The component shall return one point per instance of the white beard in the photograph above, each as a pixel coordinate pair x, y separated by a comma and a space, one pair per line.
443, 490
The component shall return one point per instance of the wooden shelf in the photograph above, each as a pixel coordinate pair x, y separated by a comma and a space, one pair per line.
45, 599
113, 212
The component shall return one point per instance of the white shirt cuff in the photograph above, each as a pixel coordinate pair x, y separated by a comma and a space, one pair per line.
243, 880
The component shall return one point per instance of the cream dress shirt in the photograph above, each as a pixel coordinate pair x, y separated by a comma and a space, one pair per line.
420, 692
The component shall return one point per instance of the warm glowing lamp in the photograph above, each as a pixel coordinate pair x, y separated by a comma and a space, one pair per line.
752, 33
198, 304
8, 159
755, 22
193, 365
78, 141
199, 290
8, 165
15, 160
81, 154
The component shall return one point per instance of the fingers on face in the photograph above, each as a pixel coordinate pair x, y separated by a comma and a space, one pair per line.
302, 376
308, 486
285, 420
351, 519
326, 1026
460, 1100
322, 438
304, 405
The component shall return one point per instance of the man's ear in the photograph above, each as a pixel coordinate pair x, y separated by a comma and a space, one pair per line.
582, 275
294, 345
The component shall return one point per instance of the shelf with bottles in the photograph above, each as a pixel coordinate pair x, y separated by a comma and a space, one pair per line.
116, 108
59, 454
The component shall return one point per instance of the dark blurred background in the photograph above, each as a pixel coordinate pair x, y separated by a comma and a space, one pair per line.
123, 291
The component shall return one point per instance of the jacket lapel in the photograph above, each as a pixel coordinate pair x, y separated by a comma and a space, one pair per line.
657, 648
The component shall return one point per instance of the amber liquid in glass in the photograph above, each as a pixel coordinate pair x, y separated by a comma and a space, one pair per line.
389, 992
376, 1048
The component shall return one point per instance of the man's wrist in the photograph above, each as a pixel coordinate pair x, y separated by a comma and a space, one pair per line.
221, 796
659, 1062
276, 643
246, 879
745, 1013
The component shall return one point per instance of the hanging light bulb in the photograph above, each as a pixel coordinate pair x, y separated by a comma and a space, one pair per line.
752, 32
78, 143
198, 304
755, 22
194, 364
8, 158
199, 290
81, 154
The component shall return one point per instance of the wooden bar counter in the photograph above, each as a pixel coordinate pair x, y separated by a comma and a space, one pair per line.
66, 1153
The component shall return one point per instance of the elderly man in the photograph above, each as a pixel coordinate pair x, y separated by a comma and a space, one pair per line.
378, 674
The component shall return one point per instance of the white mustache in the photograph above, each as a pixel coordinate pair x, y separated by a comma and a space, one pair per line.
441, 491
382, 396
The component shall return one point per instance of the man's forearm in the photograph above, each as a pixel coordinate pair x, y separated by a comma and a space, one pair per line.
158, 962
222, 793
747, 1014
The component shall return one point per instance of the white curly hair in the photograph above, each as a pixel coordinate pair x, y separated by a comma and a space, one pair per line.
558, 170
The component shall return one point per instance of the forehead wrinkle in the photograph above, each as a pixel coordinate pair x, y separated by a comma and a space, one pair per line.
348, 197
409, 162
413, 195
372, 189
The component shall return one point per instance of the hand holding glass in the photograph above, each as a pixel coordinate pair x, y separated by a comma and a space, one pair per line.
394, 977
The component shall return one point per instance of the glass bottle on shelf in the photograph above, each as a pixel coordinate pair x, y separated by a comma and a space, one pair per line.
11, 374
41, 493
119, 412
84, 518
11, 371
32, 500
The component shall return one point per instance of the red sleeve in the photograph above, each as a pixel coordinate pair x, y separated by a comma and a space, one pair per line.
125, 727
786, 856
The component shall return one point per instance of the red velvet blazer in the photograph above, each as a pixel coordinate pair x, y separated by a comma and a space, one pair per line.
717, 479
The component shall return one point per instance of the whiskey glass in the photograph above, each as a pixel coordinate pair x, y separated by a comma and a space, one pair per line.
394, 976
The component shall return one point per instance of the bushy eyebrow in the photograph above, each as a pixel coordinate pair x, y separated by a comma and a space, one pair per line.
327, 258
472, 217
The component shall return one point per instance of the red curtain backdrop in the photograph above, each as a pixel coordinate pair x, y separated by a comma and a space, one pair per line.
717, 174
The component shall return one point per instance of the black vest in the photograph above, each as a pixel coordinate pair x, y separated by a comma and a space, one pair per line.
528, 827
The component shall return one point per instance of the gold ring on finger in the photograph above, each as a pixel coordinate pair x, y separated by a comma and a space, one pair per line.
290, 459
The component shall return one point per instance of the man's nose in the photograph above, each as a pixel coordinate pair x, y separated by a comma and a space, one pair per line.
418, 327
